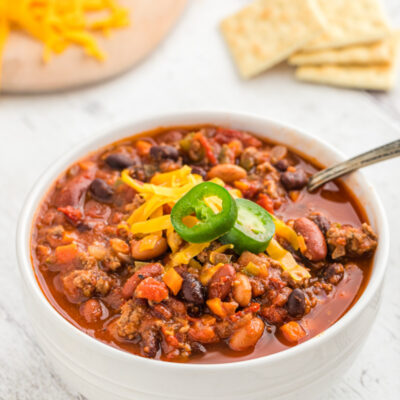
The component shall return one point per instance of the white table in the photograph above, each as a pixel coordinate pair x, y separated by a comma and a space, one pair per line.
191, 70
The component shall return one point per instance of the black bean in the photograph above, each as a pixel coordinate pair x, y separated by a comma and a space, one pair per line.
333, 273
198, 348
296, 304
101, 191
321, 221
82, 227
194, 310
294, 180
199, 171
164, 152
119, 161
282, 165
192, 290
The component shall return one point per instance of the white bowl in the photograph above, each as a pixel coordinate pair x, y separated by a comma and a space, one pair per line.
101, 372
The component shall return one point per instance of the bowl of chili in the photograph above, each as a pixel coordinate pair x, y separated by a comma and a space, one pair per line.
189, 261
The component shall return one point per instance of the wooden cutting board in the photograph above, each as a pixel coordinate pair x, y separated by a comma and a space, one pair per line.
23, 70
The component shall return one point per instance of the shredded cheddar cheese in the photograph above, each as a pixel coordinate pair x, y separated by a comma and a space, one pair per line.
166, 189
61, 23
190, 251
287, 262
147, 219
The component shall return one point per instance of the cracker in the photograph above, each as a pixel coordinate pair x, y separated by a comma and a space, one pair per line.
373, 77
350, 22
375, 53
268, 31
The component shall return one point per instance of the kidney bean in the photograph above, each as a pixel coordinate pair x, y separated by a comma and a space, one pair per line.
164, 152
150, 343
192, 290
91, 310
296, 304
73, 191
150, 270
143, 255
221, 282
227, 172
247, 336
242, 290
101, 191
294, 180
314, 238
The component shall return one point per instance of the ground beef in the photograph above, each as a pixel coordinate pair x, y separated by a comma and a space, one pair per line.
86, 282
345, 240
132, 314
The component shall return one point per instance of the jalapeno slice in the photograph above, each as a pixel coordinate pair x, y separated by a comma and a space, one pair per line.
253, 229
210, 225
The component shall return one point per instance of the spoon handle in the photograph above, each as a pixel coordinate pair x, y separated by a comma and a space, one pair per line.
382, 153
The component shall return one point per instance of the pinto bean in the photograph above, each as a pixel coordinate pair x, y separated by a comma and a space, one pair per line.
314, 238
101, 191
164, 152
247, 336
227, 172
294, 180
192, 290
91, 310
242, 290
278, 153
150, 270
221, 282
119, 161
143, 255
296, 304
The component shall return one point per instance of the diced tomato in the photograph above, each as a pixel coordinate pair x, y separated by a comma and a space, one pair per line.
66, 254
236, 146
143, 148
292, 332
152, 290
266, 202
203, 333
73, 214
248, 188
207, 147
225, 135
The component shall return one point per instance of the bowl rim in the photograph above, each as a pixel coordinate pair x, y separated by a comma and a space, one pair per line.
95, 141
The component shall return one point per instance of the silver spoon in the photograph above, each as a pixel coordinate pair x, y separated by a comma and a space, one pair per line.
381, 153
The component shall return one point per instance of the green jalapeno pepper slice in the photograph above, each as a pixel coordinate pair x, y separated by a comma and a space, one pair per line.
253, 229
211, 225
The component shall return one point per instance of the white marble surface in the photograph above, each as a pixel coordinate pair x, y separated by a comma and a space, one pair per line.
191, 70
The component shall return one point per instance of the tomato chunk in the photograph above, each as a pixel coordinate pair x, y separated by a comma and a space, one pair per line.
152, 290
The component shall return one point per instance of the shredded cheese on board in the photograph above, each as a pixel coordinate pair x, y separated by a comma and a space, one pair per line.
61, 23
